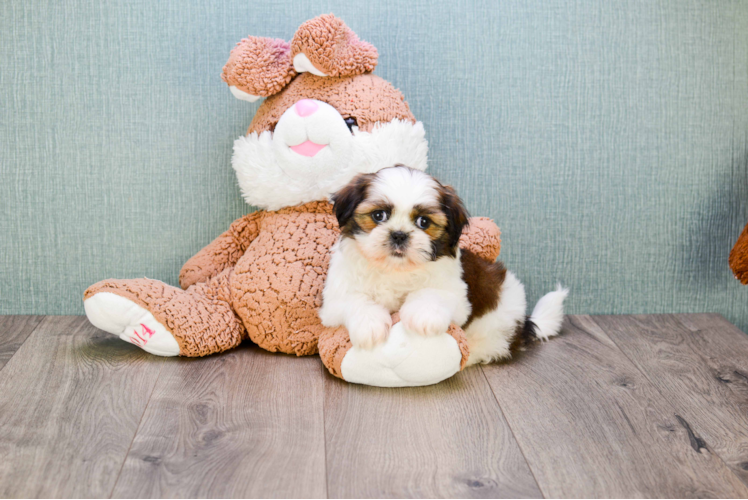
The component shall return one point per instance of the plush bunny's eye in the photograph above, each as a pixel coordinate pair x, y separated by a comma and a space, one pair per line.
423, 222
351, 122
379, 216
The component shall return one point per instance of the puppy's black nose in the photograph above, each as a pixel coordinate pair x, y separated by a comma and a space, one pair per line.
398, 237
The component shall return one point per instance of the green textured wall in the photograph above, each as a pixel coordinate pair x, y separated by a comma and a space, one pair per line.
607, 139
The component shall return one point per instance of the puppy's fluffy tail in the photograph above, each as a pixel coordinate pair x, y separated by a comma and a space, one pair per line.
549, 313
544, 322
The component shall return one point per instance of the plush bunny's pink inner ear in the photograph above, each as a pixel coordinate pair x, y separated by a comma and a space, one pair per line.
325, 46
258, 67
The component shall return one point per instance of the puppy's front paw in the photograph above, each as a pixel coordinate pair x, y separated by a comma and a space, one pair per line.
425, 318
369, 327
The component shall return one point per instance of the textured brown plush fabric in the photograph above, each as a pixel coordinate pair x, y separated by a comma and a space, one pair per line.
259, 66
333, 48
334, 343
739, 257
367, 98
277, 284
223, 252
483, 238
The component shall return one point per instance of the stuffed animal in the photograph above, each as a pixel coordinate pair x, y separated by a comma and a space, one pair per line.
739, 257
325, 118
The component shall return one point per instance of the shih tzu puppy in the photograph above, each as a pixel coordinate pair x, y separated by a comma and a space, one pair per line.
399, 251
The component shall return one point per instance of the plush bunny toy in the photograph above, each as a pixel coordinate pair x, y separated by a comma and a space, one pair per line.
325, 119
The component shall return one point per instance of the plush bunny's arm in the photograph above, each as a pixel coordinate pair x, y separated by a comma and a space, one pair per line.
482, 237
223, 252
739, 257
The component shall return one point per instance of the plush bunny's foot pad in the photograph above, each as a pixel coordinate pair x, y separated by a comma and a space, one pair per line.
130, 322
405, 359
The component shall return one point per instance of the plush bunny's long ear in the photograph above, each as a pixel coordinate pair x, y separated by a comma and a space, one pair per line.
258, 67
325, 46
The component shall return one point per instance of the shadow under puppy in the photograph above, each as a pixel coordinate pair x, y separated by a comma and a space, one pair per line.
399, 251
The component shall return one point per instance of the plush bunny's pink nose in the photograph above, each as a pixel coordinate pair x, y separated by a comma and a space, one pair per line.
306, 107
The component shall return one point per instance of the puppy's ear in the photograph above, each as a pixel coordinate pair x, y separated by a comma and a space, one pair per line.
347, 199
457, 215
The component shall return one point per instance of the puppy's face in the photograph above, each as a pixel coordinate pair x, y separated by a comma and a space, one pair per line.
400, 218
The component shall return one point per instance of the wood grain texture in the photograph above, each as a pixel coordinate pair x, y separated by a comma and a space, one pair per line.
71, 399
592, 425
246, 423
699, 363
725, 348
447, 440
13, 331
645, 406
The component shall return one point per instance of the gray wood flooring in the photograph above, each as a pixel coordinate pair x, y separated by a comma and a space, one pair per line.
617, 406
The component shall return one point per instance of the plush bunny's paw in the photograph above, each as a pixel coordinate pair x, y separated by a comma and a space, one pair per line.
130, 322
405, 359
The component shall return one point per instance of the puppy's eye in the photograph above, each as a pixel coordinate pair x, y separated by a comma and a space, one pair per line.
379, 216
351, 122
423, 222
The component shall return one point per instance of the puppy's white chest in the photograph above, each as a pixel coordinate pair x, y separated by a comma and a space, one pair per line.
391, 289
389, 299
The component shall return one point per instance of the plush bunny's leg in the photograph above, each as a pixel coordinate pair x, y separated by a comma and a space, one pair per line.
165, 320
405, 359
333, 345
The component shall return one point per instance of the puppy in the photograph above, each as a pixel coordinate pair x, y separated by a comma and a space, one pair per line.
399, 251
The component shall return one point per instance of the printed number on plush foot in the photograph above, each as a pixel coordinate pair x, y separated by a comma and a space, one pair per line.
130, 322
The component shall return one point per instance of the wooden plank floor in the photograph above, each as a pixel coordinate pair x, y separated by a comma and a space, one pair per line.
618, 406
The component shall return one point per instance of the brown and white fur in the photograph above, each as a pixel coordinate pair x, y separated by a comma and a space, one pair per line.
399, 252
